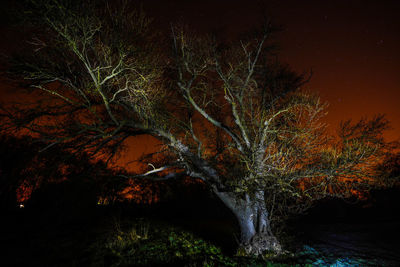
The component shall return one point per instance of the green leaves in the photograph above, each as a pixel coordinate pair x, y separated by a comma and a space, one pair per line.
162, 245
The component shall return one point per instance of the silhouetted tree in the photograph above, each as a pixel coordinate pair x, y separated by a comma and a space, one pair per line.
389, 170
23, 171
230, 114
15, 153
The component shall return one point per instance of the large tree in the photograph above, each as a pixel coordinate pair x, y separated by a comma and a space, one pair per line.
226, 113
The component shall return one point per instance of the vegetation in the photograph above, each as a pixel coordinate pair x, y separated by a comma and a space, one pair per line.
226, 113
143, 244
153, 243
56, 176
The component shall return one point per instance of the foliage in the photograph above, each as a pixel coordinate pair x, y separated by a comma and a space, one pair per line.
144, 242
155, 244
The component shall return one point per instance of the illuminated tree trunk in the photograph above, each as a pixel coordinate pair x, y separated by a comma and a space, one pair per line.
250, 210
255, 233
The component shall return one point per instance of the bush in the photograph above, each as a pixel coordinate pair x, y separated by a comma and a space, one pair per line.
155, 244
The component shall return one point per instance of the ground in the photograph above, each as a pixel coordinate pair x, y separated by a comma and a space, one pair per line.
166, 234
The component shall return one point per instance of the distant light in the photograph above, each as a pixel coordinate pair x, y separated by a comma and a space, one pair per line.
21, 205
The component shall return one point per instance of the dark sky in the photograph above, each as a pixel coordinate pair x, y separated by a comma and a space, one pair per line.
351, 45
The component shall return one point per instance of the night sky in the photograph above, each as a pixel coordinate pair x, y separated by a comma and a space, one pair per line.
352, 46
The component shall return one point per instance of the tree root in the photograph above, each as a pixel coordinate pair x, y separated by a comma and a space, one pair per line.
261, 243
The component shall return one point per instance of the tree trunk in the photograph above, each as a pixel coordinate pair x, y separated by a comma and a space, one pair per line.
255, 233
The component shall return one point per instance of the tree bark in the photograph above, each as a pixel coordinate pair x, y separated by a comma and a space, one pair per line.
251, 212
255, 233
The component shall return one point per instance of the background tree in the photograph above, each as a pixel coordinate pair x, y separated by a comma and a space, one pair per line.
25, 172
389, 170
226, 113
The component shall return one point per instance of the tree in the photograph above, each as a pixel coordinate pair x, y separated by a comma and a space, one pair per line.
389, 170
24, 172
226, 113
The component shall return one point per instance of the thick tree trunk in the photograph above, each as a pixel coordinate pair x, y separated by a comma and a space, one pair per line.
255, 233
252, 215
